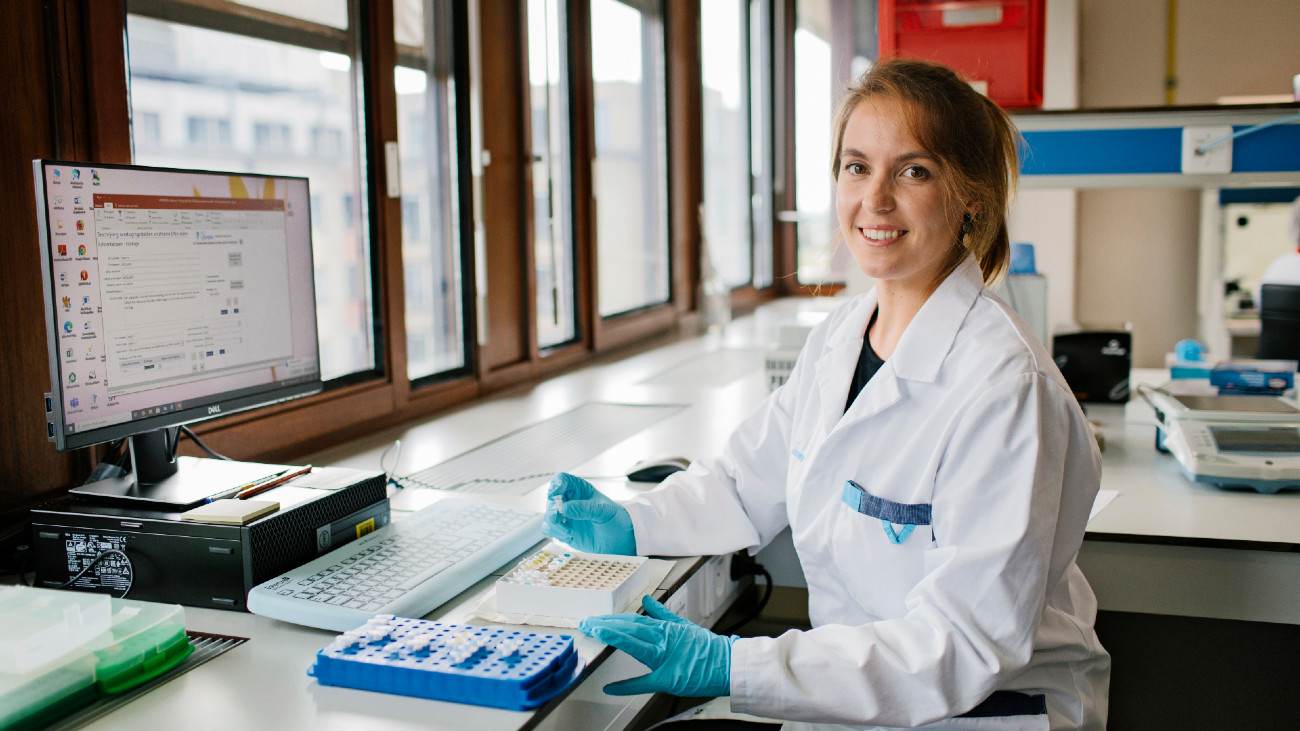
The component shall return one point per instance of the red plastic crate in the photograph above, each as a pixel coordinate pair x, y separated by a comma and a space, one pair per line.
997, 43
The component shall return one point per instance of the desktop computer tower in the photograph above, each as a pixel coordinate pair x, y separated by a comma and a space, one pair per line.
203, 564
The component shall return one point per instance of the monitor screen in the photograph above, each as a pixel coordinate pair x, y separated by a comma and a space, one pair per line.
172, 295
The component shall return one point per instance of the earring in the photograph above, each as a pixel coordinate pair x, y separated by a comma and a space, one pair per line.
966, 223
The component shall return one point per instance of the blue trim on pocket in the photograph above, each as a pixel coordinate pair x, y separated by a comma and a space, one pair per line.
897, 537
877, 507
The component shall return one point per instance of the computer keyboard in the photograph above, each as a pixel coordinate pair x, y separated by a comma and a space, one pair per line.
407, 568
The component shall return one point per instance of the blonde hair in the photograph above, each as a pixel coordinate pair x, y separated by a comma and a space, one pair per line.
972, 139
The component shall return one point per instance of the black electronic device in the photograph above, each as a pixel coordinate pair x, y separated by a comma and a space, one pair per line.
1279, 322
171, 296
1095, 364
204, 564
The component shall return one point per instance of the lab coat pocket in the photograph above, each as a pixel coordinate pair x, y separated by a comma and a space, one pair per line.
897, 520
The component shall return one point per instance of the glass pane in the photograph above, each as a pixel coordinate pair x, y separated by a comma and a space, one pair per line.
219, 101
814, 192
430, 226
760, 122
629, 179
727, 202
326, 12
552, 210
408, 22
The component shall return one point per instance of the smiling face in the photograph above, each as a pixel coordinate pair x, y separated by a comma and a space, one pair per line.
892, 205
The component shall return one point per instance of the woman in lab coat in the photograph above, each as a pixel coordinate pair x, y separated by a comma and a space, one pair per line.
932, 464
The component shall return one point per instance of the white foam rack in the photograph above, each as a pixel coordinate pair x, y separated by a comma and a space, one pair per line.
562, 583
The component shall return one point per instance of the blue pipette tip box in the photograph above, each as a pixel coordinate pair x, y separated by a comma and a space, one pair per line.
482, 666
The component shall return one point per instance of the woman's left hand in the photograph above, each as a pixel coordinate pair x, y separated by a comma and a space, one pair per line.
685, 659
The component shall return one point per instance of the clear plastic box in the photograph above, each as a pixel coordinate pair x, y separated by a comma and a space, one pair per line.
60, 650
40, 625
146, 640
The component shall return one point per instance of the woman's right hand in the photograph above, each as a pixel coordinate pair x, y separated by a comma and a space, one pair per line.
585, 519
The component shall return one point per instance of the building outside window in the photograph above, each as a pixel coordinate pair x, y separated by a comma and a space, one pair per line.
223, 73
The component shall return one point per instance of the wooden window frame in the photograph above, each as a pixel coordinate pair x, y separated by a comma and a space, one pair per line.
82, 45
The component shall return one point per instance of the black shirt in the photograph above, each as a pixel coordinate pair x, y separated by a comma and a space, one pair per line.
868, 364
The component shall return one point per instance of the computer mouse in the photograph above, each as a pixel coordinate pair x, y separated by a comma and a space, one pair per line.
656, 470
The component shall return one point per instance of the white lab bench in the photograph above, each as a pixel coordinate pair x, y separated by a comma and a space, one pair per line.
1165, 545
1170, 546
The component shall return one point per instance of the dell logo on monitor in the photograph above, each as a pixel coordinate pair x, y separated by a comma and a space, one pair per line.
214, 409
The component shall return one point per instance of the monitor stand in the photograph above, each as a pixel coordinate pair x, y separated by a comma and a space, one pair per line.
160, 482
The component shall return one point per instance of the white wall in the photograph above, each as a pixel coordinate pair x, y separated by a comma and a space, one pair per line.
1137, 249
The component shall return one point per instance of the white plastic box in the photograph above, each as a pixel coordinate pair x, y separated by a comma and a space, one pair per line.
557, 583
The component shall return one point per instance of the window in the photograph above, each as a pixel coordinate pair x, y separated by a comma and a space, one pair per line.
427, 135
552, 180
326, 141
761, 138
814, 192
208, 132
251, 69
272, 138
149, 128
629, 174
728, 233
826, 58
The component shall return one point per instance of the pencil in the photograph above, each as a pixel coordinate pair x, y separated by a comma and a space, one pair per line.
255, 489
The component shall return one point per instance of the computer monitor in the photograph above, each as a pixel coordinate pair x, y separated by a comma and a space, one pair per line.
171, 296
1279, 322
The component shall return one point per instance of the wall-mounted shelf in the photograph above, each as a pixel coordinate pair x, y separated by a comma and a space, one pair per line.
1143, 148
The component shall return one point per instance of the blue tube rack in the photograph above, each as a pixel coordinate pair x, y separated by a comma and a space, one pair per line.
449, 662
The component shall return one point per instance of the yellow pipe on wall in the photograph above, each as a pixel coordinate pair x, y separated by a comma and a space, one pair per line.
1171, 50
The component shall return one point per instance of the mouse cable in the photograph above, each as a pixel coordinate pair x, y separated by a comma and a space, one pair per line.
129, 566
383, 459
478, 480
742, 564
493, 480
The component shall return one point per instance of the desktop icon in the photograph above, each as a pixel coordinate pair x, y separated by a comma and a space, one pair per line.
59, 224
75, 402
81, 225
85, 275
63, 249
94, 175
72, 378
58, 200
68, 354
81, 250
57, 173
92, 375
76, 200
94, 398
63, 276
76, 174
85, 326
67, 301
67, 326
85, 301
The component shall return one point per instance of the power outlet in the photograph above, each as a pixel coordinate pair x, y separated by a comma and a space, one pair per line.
1217, 159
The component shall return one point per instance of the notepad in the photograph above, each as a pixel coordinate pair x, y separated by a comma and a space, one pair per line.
231, 511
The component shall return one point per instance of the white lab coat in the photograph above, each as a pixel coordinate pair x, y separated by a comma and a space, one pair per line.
1283, 270
968, 416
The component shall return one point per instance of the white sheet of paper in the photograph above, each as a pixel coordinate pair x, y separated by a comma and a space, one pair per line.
1103, 499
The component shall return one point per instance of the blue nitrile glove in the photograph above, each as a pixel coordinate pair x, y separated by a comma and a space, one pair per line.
586, 519
684, 658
